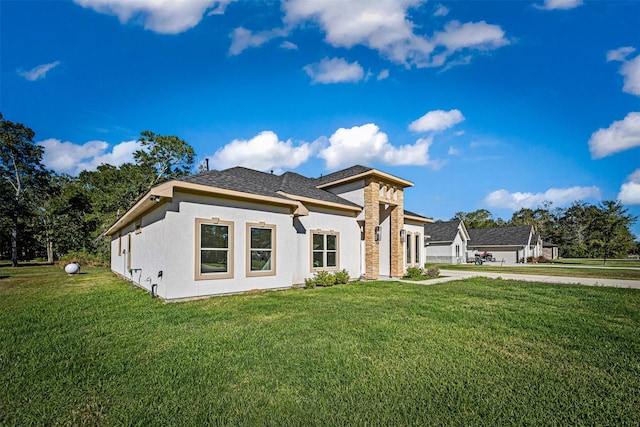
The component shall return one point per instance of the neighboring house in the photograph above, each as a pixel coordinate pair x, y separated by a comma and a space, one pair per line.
446, 242
239, 229
510, 245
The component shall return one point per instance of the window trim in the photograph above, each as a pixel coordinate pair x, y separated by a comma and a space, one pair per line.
119, 244
416, 248
249, 249
197, 241
324, 251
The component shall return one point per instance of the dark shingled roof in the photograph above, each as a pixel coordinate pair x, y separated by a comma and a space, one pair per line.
500, 236
442, 231
265, 184
406, 212
345, 173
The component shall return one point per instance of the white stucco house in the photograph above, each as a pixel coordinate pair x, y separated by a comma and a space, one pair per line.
238, 229
446, 242
509, 245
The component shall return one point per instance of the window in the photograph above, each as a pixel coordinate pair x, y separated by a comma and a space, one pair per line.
120, 245
129, 251
324, 250
416, 251
457, 251
214, 249
409, 256
261, 259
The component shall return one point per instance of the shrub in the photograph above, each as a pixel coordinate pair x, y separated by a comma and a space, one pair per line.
310, 283
341, 277
324, 278
84, 259
433, 272
413, 273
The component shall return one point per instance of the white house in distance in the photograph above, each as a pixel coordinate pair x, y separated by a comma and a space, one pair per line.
446, 242
509, 245
239, 229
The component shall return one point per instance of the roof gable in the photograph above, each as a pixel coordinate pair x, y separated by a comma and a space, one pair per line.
442, 231
358, 172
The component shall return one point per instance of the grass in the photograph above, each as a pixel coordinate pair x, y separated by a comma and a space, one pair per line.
551, 270
625, 263
86, 350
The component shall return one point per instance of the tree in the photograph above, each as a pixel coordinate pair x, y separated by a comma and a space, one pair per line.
481, 218
169, 156
610, 230
21, 171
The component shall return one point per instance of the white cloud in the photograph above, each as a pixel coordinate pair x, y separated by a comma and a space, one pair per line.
242, 39
288, 45
630, 68
160, 16
384, 26
366, 143
630, 190
262, 152
334, 70
619, 136
476, 35
453, 151
559, 4
620, 54
436, 120
382, 75
38, 72
502, 199
441, 11
67, 157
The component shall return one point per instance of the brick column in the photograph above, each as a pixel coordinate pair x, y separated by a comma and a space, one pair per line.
371, 220
397, 247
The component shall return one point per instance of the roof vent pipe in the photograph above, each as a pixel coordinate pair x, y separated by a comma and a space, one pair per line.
207, 161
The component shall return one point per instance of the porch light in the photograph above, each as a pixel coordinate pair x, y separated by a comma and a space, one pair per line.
403, 235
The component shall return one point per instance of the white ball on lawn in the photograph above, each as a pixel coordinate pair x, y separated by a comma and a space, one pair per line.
72, 268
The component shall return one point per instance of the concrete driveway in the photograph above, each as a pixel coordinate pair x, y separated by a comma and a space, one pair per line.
451, 275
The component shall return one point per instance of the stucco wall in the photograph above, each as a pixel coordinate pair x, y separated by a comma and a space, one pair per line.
352, 191
327, 220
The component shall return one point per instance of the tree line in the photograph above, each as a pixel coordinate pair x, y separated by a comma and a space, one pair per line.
44, 214
581, 230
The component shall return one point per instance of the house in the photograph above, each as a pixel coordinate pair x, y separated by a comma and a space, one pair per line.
509, 245
446, 242
238, 229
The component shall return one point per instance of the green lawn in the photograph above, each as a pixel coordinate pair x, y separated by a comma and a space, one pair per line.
551, 270
87, 350
625, 263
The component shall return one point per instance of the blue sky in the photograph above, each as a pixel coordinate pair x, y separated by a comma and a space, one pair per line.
482, 104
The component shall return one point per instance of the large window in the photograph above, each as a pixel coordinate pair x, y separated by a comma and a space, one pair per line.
416, 252
214, 241
324, 250
261, 252
409, 254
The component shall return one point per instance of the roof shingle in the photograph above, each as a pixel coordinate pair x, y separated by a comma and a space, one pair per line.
500, 236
